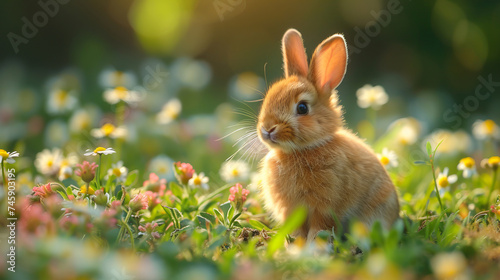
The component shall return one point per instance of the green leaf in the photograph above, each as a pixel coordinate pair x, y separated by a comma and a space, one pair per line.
132, 178
69, 191
176, 189
219, 216
292, 223
439, 144
208, 216
230, 214
429, 148
64, 196
225, 209
68, 182
258, 225
202, 222
234, 219
109, 182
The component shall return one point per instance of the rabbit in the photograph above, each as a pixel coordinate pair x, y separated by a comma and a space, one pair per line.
313, 159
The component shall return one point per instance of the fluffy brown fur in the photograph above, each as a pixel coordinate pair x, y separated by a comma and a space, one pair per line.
313, 160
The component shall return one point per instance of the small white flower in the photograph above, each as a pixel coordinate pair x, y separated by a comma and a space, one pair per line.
485, 129
451, 265
65, 172
388, 158
48, 162
162, 166
199, 181
110, 78
234, 171
255, 182
113, 96
451, 142
109, 130
407, 129
170, 111
369, 96
246, 86
444, 181
83, 119
56, 134
468, 166
8, 157
99, 151
119, 171
191, 73
61, 101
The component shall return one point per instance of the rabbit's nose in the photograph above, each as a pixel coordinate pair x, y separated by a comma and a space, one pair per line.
269, 134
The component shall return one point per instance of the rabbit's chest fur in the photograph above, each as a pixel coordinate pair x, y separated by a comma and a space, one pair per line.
333, 177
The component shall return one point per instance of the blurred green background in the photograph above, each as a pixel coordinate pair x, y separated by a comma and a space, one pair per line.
428, 56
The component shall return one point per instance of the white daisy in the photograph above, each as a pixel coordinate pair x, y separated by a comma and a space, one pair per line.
48, 162
119, 171
451, 142
109, 130
485, 129
444, 181
255, 181
65, 172
162, 166
99, 151
191, 73
8, 157
110, 78
170, 111
371, 96
246, 86
61, 101
468, 166
83, 119
56, 134
199, 181
113, 96
452, 265
234, 171
388, 158
408, 130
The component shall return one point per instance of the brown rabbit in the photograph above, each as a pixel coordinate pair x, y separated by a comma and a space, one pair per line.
313, 160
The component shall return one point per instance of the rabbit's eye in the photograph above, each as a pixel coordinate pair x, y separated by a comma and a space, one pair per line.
302, 108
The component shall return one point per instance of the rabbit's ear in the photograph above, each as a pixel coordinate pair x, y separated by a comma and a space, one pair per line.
328, 64
294, 54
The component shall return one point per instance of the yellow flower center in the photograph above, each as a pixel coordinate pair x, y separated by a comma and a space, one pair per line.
443, 181
61, 97
99, 149
490, 126
403, 141
468, 162
83, 190
107, 129
384, 160
235, 172
197, 180
121, 92
372, 97
50, 163
494, 161
172, 114
162, 169
117, 172
4, 154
